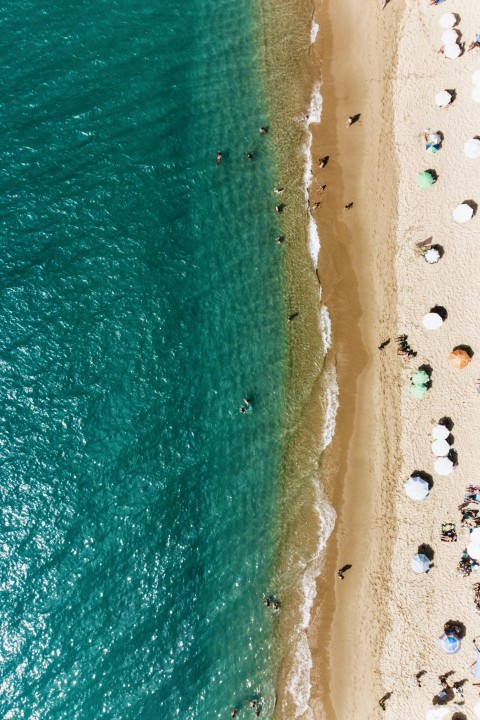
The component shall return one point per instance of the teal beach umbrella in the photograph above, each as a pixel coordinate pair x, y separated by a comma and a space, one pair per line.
419, 391
424, 179
420, 377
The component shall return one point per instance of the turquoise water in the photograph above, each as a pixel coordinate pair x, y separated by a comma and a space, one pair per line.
141, 300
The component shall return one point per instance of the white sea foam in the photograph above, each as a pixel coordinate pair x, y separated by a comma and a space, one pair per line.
325, 327
313, 240
299, 683
316, 104
331, 407
314, 116
314, 31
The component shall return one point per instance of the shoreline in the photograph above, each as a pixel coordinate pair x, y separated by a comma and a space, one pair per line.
359, 290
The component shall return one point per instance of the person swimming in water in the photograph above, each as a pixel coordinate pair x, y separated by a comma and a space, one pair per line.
219, 158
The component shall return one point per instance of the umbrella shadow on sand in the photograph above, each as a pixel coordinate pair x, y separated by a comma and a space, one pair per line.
429, 370
440, 310
447, 421
459, 716
425, 476
460, 629
471, 204
426, 550
465, 348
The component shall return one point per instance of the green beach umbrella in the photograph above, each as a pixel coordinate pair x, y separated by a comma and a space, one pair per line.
420, 377
419, 391
424, 179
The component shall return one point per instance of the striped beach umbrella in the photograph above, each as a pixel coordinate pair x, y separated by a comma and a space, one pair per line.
449, 643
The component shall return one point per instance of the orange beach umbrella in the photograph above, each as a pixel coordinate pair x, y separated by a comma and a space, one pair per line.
458, 359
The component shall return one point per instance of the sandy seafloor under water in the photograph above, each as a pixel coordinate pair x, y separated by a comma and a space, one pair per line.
142, 298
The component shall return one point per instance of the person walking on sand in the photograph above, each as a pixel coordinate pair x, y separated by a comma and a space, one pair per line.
340, 575
322, 162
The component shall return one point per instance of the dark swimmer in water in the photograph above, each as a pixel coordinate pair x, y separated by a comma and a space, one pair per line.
219, 158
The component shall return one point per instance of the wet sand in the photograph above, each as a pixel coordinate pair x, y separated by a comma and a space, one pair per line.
356, 51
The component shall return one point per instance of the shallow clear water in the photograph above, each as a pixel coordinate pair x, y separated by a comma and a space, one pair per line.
141, 300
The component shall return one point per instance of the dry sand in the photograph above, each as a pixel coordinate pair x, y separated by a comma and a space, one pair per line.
420, 605
379, 626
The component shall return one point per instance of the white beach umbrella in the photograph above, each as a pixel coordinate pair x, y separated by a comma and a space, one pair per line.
432, 321
443, 466
443, 98
462, 213
472, 148
420, 563
475, 536
440, 448
440, 432
476, 77
452, 50
416, 488
432, 256
438, 712
447, 20
434, 138
476, 93
474, 551
449, 36
476, 709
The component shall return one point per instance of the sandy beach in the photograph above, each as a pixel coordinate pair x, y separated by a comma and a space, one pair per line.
374, 631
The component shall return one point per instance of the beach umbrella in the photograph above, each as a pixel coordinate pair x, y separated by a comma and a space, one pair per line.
462, 213
434, 138
432, 256
419, 391
440, 448
438, 712
443, 466
452, 50
442, 98
416, 488
472, 148
432, 321
476, 94
420, 563
447, 20
420, 377
424, 179
476, 709
449, 643
475, 536
458, 359
473, 551
440, 432
449, 36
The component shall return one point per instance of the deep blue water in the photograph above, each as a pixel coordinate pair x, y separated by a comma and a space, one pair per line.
141, 299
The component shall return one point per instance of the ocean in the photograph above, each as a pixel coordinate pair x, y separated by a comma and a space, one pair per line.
143, 298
